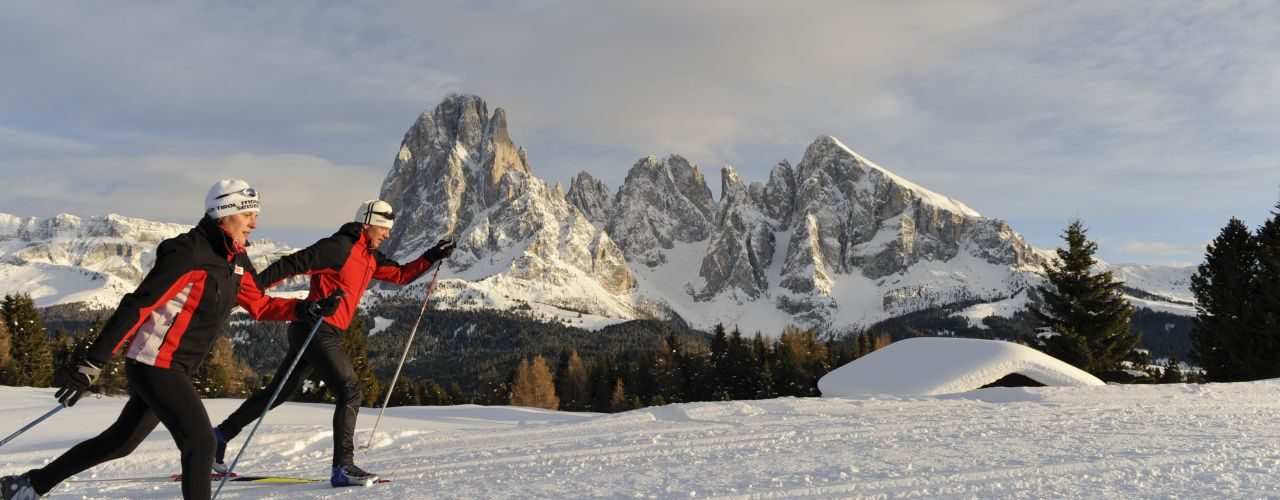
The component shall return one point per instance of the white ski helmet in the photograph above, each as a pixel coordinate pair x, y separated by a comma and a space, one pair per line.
229, 197
376, 213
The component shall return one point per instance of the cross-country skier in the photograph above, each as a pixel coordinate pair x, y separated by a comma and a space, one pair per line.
170, 322
344, 262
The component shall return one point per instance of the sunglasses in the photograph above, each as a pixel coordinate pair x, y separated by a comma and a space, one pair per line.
384, 215
250, 192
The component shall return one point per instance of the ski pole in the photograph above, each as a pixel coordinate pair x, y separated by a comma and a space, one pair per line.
403, 355
280, 386
32, 424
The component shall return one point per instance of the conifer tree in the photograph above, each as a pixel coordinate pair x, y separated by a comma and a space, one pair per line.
532, 385
740, 374
456, 397
1224, 286
1172, 373
1267, 298
216, 378
719, 344
405, 393
666, 371
430, 393
1086, 310
800, 360
30, 352
572, 385
618, 399
698, 372
492, 389
6, 341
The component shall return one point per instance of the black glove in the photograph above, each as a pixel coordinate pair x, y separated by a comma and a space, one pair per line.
442, 250
323, 308
74, 380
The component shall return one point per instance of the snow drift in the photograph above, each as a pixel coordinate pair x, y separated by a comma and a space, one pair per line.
937, 365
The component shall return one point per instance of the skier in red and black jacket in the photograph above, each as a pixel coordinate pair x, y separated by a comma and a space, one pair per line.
345, 262
169, 324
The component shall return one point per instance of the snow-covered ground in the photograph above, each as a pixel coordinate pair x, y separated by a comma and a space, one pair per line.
1165, 441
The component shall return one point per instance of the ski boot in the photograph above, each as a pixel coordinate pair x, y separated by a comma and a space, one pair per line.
219, 456
350, 475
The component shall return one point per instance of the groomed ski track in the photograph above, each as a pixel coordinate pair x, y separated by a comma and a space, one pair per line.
1191, 441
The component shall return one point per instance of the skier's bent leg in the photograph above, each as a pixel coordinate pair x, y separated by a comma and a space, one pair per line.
132, 426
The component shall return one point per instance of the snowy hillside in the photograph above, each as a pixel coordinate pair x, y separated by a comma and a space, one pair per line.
1142, 441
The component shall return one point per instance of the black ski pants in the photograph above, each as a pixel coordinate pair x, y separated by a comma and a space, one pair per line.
156, 395
326, 358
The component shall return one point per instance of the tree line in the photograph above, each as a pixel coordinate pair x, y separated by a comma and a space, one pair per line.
620, 373
1236, 335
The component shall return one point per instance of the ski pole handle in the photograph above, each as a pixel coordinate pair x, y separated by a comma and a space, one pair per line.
33, 423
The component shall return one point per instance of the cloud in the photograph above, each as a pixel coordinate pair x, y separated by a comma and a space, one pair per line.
22, 143
1113, 111
1160, 249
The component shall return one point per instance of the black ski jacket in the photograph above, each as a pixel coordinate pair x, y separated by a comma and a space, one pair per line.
172, 318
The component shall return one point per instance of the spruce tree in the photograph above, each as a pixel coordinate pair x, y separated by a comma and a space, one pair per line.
666, 371
572, 384
6, 341
1267, 298
1224, 286
1086, 310
30, 352
1172, 373
740, 373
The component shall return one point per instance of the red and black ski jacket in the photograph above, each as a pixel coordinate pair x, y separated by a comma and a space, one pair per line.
344, 261
173, 317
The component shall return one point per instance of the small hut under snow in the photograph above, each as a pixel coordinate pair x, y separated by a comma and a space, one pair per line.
929, 366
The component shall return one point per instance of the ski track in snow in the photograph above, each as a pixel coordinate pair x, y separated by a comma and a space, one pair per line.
1193, 441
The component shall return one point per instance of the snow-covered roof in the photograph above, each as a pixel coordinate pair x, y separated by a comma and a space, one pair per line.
940, 365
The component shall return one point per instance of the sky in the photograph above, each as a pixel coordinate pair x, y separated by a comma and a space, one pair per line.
1152, 122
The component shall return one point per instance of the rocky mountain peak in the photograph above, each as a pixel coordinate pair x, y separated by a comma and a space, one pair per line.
460, 175
593, 198
454, 162
659, 204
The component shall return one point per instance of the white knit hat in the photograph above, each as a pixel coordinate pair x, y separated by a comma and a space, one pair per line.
375, 213
229, 197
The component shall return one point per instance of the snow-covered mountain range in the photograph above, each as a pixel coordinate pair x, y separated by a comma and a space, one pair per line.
65, 259
835, 241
